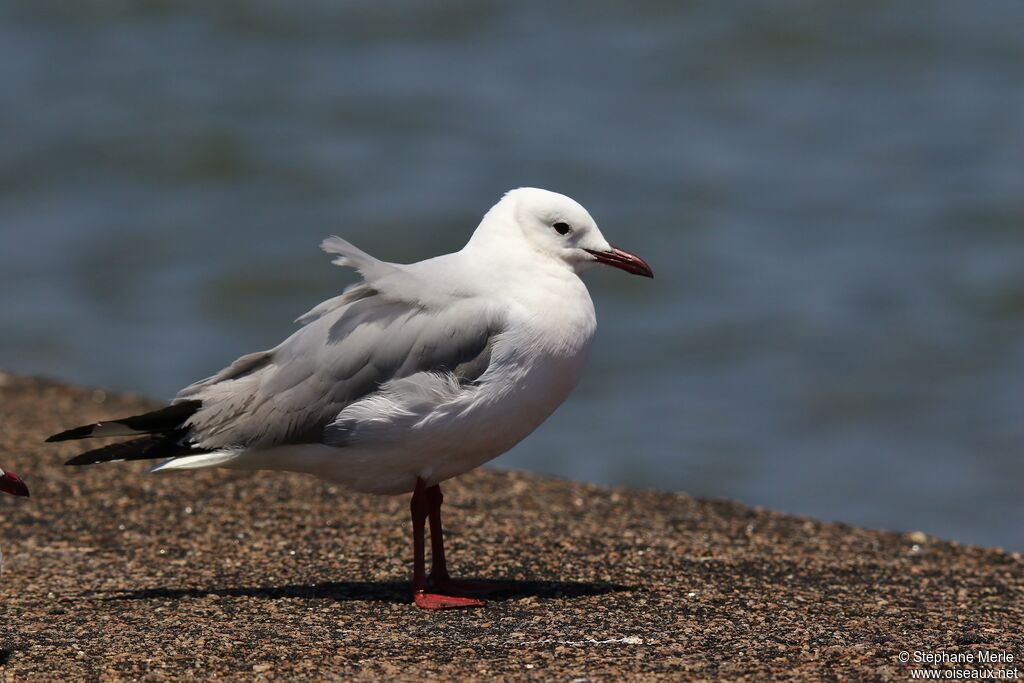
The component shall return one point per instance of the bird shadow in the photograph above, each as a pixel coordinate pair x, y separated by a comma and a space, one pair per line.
376, 591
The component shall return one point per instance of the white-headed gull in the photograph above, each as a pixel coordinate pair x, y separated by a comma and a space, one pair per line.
12, 483
414, 375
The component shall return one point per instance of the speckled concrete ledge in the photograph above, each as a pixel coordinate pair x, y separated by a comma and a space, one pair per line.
114, 574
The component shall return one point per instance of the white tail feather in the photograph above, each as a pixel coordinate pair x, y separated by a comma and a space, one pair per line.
195, 462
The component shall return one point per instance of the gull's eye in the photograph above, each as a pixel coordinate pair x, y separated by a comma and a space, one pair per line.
562, 228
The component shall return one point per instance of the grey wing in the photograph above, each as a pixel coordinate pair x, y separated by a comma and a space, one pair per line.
289, 394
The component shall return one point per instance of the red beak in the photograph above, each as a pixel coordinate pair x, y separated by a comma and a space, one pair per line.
10, 483
623, 260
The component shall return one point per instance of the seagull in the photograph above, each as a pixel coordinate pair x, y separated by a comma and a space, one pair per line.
413, 375
12, 483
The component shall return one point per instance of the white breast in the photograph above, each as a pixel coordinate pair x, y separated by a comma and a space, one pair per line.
535, 365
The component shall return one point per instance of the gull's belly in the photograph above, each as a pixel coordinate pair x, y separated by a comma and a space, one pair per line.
533, 371
496, 424
456, 437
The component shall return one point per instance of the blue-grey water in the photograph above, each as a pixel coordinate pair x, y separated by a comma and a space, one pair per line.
831, 194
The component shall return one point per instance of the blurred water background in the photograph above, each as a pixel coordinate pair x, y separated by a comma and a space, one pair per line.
831, 195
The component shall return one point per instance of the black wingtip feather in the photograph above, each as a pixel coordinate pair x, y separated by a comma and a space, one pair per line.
83, 432
167, 419
146, 448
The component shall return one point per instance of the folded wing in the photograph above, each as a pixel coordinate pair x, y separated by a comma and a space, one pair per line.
382, 329
379, 331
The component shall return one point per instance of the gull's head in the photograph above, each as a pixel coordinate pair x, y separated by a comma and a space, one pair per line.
11, 483
559, 227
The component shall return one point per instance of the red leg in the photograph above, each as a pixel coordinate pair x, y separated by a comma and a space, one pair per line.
438, 565
420, 508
